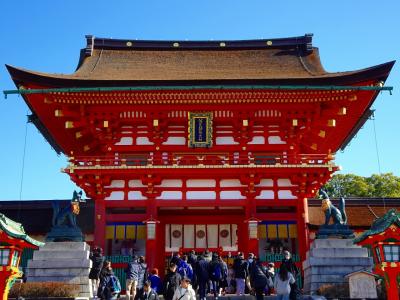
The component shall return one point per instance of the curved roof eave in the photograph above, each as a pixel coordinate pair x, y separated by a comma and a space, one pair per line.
23, 76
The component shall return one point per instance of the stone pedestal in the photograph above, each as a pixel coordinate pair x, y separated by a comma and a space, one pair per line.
329, 260
62, 261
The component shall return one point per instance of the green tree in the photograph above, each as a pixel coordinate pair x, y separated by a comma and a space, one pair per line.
351, 185
384, 185
347, 185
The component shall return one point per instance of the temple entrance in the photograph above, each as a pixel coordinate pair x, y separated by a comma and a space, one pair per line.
125, 239
274, 238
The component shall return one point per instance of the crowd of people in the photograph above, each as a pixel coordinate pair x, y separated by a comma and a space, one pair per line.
191, 274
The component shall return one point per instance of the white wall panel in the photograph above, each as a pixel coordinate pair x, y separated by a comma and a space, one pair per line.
230, 183
286, 194
175, 140
171, 183
201, 195
116, 184
266, 182
275, 139
136, 195
234, 195
116, 195
200, 183
266, 194
284, 182
170, 195
257, 140
225, 140
143, 140
135, 183
125, 141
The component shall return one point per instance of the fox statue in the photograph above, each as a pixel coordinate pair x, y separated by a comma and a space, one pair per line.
67, 214
338, 215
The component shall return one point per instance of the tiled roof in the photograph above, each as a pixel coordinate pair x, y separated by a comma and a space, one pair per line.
106, 62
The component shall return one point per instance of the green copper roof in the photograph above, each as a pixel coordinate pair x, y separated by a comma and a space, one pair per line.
16, 230
380, 225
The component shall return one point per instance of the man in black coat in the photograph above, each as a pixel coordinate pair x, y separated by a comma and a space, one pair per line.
241, 273
202, 275
259, 278
216, 269
171, 282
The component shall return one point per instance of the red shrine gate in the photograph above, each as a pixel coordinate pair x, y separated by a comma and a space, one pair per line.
209, 144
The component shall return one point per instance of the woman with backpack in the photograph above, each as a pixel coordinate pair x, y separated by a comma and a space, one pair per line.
110, 287
282, 283
97, 259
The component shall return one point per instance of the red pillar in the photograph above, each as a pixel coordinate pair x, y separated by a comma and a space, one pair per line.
160, 249
302, 230
251, 243
243, 237
100, 223
152, 250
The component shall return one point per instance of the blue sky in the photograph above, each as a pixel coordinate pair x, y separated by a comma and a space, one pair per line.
47, 35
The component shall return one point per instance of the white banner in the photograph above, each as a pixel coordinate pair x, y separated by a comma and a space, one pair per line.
188, 236
212, 236
201, 235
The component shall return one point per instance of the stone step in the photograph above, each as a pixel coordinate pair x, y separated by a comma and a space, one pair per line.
67, 279
55, 246
59, 264
338, 261
58, 272
333, 243
48, 254
329, 270
337, 252
325, 278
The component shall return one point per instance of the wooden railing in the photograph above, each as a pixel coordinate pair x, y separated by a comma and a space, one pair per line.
208, 159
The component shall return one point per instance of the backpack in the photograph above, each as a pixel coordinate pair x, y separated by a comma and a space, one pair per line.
113, 285
185, 270
182, 271
216, 272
